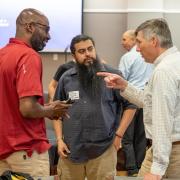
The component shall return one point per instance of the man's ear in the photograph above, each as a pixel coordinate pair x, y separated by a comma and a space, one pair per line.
155, 41
29, 28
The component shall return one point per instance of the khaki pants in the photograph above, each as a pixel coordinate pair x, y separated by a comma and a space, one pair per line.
36, 165
174, 163
100, 168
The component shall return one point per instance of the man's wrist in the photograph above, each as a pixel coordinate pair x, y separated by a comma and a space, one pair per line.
59, 138
124, 87
118, 135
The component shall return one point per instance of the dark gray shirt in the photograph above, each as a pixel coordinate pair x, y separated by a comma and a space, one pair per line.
92, 124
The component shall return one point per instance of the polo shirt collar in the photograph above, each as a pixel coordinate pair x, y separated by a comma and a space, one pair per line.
18, 41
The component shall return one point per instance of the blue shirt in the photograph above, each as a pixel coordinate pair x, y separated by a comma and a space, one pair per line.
92, 124
134, 69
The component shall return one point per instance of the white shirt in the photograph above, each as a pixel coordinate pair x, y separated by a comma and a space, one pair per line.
161, 102
134, 69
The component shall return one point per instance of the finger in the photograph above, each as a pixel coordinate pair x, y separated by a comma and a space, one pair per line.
67, 115
62, 106
59, 103
58, 118
60, 112
117, 148
103, 74
66, 149
110, 87
60, 152
63, 154
66, 105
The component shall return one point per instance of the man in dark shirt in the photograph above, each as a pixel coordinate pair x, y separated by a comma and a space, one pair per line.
88, 141
60, 71
63, 68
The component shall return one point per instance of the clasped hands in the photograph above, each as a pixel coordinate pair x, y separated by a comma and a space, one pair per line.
58, 109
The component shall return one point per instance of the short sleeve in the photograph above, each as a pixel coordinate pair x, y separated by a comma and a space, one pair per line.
29, 76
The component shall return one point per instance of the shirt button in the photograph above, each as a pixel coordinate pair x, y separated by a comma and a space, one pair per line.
84, 102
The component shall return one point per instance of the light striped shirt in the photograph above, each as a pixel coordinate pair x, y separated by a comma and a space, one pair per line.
161, 102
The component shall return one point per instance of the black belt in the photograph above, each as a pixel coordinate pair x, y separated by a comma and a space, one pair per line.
176, 143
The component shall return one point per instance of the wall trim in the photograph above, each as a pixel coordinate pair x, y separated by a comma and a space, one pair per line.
131, 10
172, 11
105, 10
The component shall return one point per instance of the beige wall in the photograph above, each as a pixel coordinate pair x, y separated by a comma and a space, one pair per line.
106, 29
106, 20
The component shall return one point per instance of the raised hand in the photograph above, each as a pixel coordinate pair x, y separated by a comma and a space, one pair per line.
113, 80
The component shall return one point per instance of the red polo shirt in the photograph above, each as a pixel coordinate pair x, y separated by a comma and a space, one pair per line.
20, 76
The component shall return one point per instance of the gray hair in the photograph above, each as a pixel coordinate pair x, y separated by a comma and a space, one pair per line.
159, 28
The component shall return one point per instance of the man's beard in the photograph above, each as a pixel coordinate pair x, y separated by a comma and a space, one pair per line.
89, 81
37, 42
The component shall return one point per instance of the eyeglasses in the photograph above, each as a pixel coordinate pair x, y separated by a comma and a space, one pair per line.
46, 28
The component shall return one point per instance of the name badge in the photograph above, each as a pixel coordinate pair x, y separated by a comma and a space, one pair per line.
74, 95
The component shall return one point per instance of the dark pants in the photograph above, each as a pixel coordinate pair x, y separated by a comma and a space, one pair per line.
134, 143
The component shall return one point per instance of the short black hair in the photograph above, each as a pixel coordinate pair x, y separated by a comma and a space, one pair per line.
78, 39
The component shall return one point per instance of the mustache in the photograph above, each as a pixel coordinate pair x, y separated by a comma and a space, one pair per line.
90, 60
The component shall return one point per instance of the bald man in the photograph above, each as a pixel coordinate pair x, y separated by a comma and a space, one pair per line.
137, 72
23, 143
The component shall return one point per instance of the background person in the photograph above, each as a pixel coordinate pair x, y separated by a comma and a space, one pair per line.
137, 72
54, 82
23, 143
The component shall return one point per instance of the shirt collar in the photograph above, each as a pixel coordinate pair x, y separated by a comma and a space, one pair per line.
164, 54
18, 41
73, 70
133, 48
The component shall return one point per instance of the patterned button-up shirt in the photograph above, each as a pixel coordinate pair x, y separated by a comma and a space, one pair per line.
161, 102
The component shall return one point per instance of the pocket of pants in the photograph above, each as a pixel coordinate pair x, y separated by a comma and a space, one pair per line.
59, 170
